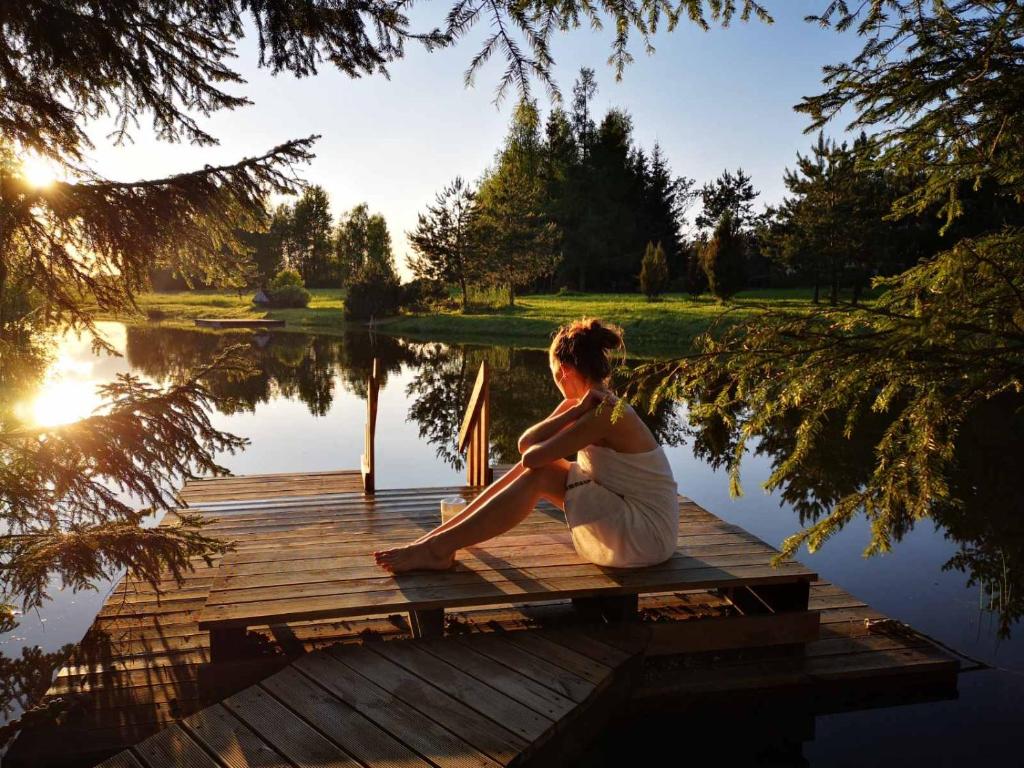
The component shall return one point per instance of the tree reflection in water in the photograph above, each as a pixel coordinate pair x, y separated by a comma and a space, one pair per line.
983, 515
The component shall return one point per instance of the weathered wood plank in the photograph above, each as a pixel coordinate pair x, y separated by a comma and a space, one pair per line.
486, 699
285, 731
428, 738
434, 702
233, 742
361, 737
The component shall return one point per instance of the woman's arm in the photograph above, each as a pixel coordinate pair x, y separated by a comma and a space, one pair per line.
542, 430
585, 429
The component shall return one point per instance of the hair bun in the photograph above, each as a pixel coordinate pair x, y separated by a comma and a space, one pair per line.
586, 344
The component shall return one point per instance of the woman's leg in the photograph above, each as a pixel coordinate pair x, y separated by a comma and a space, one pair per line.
503, 511
481, 497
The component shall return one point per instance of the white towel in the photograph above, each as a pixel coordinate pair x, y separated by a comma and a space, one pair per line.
627, 515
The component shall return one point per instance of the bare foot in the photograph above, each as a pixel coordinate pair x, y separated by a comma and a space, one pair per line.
414, 557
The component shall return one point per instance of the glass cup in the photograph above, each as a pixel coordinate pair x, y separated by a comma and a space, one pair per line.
451, 506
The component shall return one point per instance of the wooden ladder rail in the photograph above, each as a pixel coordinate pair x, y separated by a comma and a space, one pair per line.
368, 461
474, 436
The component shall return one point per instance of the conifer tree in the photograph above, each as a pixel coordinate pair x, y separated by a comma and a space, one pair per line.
512, 226
654, 272
944, 339
723, 257
732, 193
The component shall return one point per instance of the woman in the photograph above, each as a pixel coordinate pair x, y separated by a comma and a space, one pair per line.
619, 497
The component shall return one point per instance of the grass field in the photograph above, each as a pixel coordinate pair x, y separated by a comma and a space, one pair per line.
666, 325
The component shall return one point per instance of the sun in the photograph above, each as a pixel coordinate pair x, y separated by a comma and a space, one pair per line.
38, 171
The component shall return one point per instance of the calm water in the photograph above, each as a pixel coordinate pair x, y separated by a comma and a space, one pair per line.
303, 409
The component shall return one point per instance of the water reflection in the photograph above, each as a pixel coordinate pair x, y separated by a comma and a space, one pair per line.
983, 513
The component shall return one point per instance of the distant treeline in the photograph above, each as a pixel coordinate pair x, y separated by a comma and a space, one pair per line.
575, 204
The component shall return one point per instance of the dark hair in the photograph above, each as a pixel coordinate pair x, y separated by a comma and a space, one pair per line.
587, 345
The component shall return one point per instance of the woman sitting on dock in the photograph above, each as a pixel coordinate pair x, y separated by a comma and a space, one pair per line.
619, 496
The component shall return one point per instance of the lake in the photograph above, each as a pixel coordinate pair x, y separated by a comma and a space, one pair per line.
303, 408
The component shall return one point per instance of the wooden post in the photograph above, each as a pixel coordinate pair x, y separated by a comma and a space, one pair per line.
474, 436
368, 465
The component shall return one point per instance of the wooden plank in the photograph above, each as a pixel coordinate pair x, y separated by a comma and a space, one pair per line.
523, 689
408, 725
339, 556
233, 742
701, 635
486, 699
121, 760
285, 731
173, 748
520, 587
434, 702
361, 737
559, 680
566, 658
355, 567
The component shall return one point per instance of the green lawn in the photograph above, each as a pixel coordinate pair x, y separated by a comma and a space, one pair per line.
660, 326
664, 325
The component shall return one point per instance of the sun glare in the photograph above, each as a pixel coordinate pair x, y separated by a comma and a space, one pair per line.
68, 390
39, 172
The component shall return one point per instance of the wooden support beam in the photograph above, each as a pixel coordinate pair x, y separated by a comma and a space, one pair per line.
368, 461
427, 624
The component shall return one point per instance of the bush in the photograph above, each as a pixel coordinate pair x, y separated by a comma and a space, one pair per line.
654, 272
287, 290
421, 294
372, 293
722, 258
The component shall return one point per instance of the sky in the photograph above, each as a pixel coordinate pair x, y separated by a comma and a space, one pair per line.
713, 100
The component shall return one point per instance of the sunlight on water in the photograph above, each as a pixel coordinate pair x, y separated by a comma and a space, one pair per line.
68, 391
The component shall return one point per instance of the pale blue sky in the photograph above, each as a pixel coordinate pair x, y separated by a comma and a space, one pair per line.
713, 100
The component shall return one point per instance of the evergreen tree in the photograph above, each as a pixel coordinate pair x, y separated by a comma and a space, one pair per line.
832, 230
667, 199
723, 258
512, 225
730, 193
695, 281
943, 341
654, 272
442, 240
310, 249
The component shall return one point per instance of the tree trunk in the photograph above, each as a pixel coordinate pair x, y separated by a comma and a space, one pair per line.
833, 294
465, 296
817, 290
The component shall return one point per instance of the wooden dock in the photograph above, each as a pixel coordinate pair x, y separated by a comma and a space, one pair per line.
142, 677
238, 322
